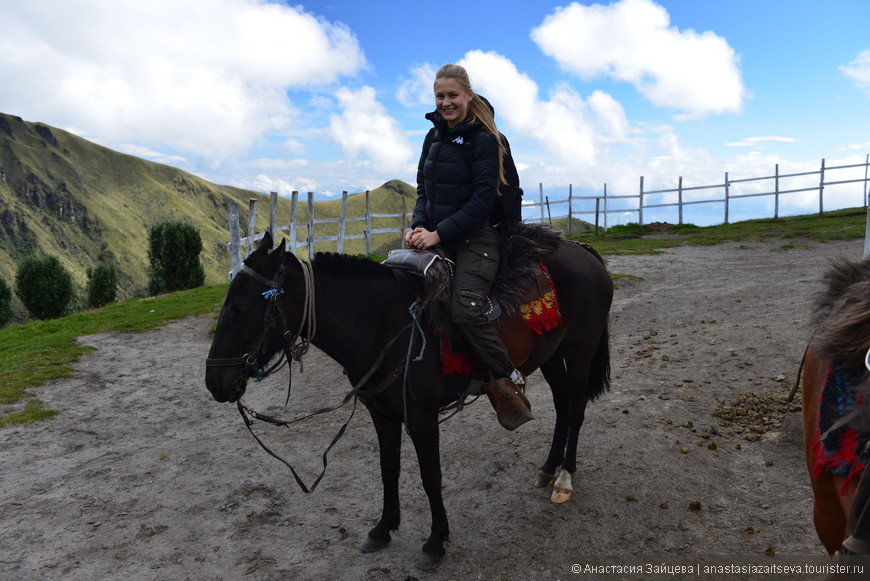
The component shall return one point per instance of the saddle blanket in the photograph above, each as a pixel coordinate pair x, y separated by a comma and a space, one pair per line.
839, 446
540, 314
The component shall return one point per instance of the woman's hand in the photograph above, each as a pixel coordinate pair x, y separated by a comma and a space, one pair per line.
422, 238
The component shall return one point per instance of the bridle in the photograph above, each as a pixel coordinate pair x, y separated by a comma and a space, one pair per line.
294, 346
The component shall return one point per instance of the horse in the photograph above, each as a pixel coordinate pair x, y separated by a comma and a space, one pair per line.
836, 408
357, 311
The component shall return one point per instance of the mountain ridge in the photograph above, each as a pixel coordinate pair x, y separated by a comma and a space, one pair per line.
65, 196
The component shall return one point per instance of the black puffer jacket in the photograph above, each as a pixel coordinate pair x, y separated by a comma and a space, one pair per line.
453, 197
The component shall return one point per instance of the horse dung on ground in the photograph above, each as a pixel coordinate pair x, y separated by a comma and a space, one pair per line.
277, 303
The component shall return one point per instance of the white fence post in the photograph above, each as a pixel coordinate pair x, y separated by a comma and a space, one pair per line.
252, 226
294, 209
235, 250
639, 206
727, 197
310, 241
776, 194
822, 187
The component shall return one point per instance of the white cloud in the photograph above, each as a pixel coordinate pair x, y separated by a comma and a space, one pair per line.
632, 41
207, 77
859, 71
758, 141
569, 128
418, 89
365, 129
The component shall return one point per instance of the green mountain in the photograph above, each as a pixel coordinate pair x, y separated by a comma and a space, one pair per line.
62, 195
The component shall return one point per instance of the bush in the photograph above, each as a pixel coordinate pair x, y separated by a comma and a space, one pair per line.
5, 303
44, 286
102, 285
173, 253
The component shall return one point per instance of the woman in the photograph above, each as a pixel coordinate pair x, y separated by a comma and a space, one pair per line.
458, 177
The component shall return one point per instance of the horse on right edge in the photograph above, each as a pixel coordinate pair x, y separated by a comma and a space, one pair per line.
836, 409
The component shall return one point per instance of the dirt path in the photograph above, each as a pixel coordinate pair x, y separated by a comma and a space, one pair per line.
143, 476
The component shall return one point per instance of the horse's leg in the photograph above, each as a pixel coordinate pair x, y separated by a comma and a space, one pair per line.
424, 433
568, 379
557, 376
389, 443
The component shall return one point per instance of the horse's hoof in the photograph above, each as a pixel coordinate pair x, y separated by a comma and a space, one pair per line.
560, 495
544, 480
372, 545
428, 561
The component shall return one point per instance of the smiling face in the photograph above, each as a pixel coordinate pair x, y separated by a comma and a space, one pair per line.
451, 100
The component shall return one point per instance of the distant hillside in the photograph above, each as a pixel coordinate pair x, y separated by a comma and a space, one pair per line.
62, 195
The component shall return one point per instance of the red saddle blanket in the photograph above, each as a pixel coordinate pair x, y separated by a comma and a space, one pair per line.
540, 313
841, 446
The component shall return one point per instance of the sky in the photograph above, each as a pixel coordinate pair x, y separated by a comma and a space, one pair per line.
330, 96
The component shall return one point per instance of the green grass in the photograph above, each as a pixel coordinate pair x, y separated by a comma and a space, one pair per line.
41, 351
794, 230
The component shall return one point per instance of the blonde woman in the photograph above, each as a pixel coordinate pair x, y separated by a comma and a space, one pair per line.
458, 179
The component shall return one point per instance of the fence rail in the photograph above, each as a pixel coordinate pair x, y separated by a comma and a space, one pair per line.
603, 207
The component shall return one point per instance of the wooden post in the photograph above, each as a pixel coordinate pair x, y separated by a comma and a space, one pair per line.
727, 199
404, 221
368, 236
273, 216
639, 206
570, 208
310, 225
776, 193
680, 200
867, 205
294, 207
822, 187
549, 215
597, 206
252, 226
341, 223
235, 250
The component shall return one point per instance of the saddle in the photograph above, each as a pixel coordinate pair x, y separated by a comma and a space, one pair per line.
517, 313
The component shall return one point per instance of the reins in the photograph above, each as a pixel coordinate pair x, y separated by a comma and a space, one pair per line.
296, 347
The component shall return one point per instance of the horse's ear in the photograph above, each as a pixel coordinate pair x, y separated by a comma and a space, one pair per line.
266, 243
276, 256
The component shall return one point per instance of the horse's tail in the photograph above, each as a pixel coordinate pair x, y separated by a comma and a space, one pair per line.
599, 370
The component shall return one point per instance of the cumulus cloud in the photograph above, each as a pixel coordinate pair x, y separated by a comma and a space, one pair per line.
633, 41
208, 77
569, 127
365, 129
859, 71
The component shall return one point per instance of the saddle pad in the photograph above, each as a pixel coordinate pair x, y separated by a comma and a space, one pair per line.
540, 314
840, 448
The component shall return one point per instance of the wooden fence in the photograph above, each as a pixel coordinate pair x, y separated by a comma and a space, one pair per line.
604, 205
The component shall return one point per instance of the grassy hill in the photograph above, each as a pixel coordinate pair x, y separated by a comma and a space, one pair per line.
64, 196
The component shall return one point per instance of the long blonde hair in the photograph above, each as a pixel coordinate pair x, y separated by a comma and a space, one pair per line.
478, 110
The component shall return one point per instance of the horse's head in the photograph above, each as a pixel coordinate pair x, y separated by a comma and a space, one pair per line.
245, 339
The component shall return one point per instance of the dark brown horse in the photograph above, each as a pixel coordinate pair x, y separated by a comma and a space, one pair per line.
361, 310
836, 405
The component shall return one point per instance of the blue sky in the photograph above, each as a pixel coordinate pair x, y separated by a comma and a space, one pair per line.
328, 96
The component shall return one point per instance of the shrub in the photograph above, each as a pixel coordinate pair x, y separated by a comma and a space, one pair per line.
44, 286
102, 285
5, 303
173, 253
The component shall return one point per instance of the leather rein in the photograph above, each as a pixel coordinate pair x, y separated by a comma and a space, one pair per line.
294, 348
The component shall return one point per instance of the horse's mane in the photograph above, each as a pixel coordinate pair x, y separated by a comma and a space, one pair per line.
842, 313
349, 265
